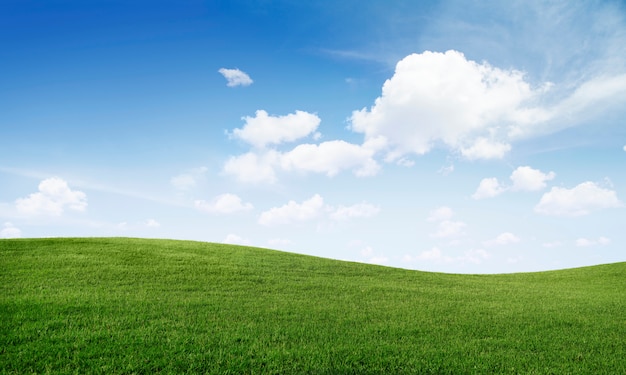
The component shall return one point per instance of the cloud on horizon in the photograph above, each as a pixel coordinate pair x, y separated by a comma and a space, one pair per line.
10, 231
53, 198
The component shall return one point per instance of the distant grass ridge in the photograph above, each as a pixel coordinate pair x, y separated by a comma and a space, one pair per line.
119, 305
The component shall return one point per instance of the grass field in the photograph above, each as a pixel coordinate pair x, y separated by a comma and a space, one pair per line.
114, 305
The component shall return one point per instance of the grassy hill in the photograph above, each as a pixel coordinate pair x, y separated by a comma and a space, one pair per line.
115, 305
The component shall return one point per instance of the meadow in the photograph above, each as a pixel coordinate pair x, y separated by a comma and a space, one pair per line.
124, 306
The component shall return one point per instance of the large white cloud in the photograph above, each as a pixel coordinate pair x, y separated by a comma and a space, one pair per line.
263, 129
329, 157
53, 197
10, 231
577, 201
444, 98
235, 77
223, 204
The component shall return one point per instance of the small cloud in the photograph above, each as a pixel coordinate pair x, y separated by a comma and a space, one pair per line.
10, 231
223, 204
233, 239
505, 238
440, 214
53, 197
579, 201
235, 77
293, 212
486, 149
405, 162
488, 188
446, 170
450, 229
315, 208
361, 210
523, 178
552, 244
584, 242
189, 179
263, 129
529, 179
624, 148
151, 223
252, 167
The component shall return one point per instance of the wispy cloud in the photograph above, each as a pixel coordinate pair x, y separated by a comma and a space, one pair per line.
235, 77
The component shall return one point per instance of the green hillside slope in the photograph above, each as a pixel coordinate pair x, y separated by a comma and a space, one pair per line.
116, 305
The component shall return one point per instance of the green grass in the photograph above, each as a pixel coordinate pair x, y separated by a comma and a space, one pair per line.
156, 306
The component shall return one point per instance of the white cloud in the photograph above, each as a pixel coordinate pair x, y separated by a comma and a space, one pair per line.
488, 188
440, 214
523, 178
315, 208
578, 201
484, 148
449, 229
584, 242
446, 228
624, 147
151, 223
360, 210
189, 179
552, 244
444, 98
330, 158
263, 129
293, 212
223, 204
529, 179
10, 231
252, 167
475, 256
53, 198
235, 77
432, 254
234, 239
505, 238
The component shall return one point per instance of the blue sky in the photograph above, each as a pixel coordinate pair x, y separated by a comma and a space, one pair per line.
453, 136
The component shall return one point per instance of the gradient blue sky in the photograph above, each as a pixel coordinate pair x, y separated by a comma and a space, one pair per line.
454, 136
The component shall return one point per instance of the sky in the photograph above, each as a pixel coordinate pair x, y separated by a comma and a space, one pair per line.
447, 136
